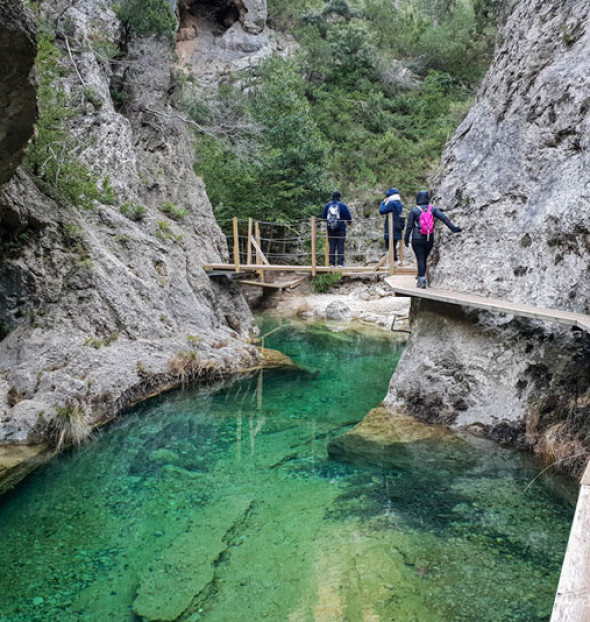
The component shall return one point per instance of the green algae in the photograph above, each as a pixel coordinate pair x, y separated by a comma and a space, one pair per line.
225, 506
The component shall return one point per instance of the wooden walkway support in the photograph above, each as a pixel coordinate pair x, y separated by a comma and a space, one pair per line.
406, 286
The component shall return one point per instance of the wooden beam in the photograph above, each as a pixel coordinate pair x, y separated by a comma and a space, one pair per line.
279, 285
249, 251
259, 253
236, 246
313, 257
381, 262
258, 259
391, 243
282, 268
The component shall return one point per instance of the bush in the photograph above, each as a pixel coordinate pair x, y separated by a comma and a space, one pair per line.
173, 211
69, 427
133, 211
49, 157
147, 17
324, 282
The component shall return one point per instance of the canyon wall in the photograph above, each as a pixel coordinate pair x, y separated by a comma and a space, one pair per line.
516, 177
98, 309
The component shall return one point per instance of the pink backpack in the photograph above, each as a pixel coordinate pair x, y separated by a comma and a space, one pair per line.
426, 221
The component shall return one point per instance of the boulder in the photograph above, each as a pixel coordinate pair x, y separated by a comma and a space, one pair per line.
338, 311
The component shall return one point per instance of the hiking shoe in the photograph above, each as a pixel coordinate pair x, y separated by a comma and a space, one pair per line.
421, 283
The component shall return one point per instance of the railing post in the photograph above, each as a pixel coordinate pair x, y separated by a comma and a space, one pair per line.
236, 246
249, 247
258, 257
391, 243
313, 257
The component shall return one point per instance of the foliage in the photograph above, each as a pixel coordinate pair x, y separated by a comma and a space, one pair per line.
91, 95
52, 154
147, 17
173, 211
97, 343
283, 175
324, 282
339, 113
133, 211
69, 427
165, 232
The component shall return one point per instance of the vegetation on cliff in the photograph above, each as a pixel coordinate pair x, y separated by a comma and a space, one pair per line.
368, 101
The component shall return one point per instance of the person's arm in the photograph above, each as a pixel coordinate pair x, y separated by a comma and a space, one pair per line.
347, 215
384, 208
444, 218
409, 228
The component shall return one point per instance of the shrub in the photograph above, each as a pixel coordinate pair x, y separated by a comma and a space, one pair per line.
147, 17
49, 157
133, 211
173, 211
324, 282
69, 427
91, 95
165, 232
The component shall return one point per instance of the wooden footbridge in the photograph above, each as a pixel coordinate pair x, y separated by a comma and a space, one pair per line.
250, 265
251, 254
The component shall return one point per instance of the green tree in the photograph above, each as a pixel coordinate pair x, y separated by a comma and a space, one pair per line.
147, 17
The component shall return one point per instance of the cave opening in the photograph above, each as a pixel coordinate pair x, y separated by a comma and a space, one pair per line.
216, 16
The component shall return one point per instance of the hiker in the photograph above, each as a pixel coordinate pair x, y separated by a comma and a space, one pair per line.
421, 227
337, 217
393, 204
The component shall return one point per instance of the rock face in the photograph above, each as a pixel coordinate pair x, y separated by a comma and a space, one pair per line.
516, 178
218, 38
18, 105
102, 310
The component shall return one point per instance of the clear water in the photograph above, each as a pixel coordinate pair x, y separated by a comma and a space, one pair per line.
225, 507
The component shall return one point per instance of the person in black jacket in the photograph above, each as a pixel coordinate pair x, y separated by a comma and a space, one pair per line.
422, 243
338, 218
392, 203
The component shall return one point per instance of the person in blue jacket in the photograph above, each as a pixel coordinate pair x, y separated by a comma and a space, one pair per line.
392, 204
422, 243
338, 218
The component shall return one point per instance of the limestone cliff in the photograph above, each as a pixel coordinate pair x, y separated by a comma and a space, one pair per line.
101, 310
516, 177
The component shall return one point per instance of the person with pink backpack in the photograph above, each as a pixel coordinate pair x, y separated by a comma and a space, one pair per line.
420, 227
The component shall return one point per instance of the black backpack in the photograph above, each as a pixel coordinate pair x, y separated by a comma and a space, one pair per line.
333, 219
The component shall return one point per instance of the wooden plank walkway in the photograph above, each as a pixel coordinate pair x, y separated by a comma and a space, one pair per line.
406, 286
348, 270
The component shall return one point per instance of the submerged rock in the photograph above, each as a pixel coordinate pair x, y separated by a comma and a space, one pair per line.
388, 439
186, 569
17, 461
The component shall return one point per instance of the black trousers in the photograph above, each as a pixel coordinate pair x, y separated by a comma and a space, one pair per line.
422, 249
394, 247
336, 246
